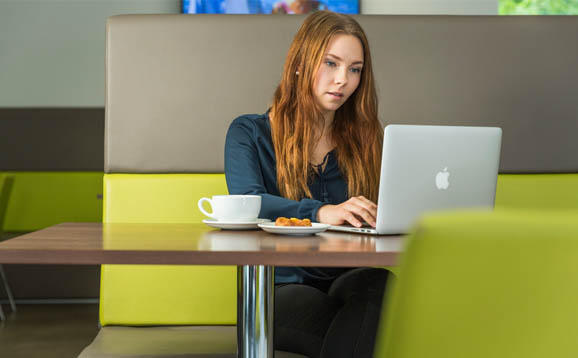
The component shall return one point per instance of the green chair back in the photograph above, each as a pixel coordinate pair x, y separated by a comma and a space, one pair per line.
167, 294
42, 199
482, 285
537, 192
6, 184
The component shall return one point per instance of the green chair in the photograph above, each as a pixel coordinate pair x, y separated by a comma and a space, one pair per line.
474, 284
164, 310
164, 299
6, 183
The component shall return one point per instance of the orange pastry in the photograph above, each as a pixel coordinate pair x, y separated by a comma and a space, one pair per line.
282, 221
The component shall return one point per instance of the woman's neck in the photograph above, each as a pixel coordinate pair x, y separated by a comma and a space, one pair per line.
325, 142
328, 121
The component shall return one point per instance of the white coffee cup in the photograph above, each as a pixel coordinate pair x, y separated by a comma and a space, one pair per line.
237, 208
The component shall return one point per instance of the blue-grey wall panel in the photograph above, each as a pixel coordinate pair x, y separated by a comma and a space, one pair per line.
51, 139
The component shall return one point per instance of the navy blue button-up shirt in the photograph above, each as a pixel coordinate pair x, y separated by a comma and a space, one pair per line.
250, 168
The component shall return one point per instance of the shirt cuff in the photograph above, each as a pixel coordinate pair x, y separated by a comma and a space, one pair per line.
315, 210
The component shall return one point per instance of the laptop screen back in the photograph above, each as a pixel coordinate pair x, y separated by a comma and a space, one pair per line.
430, 168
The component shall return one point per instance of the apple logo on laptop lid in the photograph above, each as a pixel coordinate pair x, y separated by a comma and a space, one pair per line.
442, 179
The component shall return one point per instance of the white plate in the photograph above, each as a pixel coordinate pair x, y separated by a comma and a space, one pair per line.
235, 225
294, 230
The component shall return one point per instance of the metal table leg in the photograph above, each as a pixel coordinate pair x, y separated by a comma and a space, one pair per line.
255, 308
8, 293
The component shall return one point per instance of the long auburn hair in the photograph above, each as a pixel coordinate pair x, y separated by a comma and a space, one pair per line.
297, 118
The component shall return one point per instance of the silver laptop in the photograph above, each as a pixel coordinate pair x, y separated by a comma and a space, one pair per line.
431, 168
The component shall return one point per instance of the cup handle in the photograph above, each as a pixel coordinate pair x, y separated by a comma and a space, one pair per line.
201, 201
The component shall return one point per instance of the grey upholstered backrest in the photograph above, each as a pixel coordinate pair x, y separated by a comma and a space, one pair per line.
175, 82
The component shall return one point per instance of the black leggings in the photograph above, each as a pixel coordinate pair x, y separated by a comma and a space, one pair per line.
341, 322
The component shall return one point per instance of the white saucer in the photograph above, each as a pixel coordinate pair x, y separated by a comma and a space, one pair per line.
294, 230
235, 225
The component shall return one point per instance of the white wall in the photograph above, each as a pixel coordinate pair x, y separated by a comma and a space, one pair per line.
52, 51
430, 7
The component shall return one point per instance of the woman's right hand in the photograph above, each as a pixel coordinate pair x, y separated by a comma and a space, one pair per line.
352, 211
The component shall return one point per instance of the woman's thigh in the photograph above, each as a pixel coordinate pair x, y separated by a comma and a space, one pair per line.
302, 316
353, 330
340, 324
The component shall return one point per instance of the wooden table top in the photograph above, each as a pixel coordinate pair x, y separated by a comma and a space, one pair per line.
194, 244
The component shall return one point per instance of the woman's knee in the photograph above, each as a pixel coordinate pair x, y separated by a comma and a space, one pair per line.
304, 307
361, 283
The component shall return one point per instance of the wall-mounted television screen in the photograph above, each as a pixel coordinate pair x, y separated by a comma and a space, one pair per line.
268, 6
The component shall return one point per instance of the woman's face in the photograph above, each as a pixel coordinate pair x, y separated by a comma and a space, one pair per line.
340, 71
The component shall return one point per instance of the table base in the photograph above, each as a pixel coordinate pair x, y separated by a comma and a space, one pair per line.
255, 307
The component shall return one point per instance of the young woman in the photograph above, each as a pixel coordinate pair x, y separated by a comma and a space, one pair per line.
316, 154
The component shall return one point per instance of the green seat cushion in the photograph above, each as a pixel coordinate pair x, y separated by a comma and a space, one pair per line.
164, 295
167, 342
